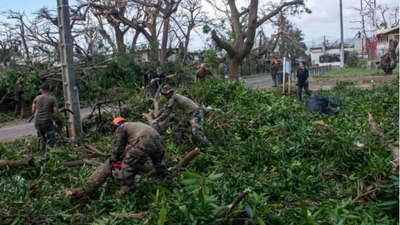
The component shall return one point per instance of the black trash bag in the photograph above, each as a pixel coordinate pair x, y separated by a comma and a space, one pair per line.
322, 104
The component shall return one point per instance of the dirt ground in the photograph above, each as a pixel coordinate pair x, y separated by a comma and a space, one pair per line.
366, 82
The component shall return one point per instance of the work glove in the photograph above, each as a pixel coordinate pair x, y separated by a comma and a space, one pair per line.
154, 122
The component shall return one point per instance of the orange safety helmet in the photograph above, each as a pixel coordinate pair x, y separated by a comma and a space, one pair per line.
117, 122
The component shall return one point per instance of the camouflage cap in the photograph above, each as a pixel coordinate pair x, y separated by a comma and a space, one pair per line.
166, 89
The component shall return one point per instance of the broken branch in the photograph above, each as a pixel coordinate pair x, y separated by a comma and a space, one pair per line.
186, 159
370, 190
378, 133
16, 163
235, 202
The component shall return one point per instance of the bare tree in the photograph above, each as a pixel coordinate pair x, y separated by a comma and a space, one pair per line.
186, 20
167, 8
287, 41
19, 17
109, 10
244, 34
144, 22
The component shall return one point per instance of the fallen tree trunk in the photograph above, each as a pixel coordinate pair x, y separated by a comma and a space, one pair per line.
235, 202
186, 159
98, 177
16, 163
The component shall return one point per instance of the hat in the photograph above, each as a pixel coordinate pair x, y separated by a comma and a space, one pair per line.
166, 90
118, 120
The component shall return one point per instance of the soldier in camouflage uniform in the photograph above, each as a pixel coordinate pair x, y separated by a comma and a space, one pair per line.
187, 105
134, 143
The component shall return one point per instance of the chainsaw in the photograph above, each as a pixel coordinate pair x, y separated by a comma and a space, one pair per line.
117, 170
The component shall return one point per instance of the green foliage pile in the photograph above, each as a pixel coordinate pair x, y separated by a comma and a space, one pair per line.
299, 171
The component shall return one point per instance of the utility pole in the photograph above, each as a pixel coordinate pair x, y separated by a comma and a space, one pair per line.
71, 95
341, 37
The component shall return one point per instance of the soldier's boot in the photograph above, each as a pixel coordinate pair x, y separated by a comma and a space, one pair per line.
275, 85
128, 183
123, 190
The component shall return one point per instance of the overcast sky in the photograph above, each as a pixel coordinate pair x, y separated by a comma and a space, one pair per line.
323, 21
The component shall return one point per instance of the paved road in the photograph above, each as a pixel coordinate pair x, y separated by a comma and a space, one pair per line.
22, 129
258, 81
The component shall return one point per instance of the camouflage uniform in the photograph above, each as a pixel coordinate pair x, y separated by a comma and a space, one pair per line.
187, 105
134, 143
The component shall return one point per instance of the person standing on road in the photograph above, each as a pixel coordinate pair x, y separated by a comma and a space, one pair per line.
19, 98
44, 107
133, 144
302, 80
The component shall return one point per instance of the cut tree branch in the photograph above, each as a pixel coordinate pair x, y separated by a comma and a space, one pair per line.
235, 202
16, 163
186, 159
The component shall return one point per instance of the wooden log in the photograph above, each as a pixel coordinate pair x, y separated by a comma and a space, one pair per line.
16, 163
98, 177
186, 159
235, 202
80, 162
378, 133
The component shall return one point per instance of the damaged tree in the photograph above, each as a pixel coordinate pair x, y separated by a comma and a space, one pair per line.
244, 34
389, 60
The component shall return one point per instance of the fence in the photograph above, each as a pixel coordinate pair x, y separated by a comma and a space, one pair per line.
318, 70
252, 67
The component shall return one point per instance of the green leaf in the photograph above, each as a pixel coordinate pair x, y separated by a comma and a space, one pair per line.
184, 211
260, 221
388, 203
214, 176
189, 182
162, 216
249, 211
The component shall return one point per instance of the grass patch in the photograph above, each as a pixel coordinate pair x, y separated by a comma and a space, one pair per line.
351, 72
